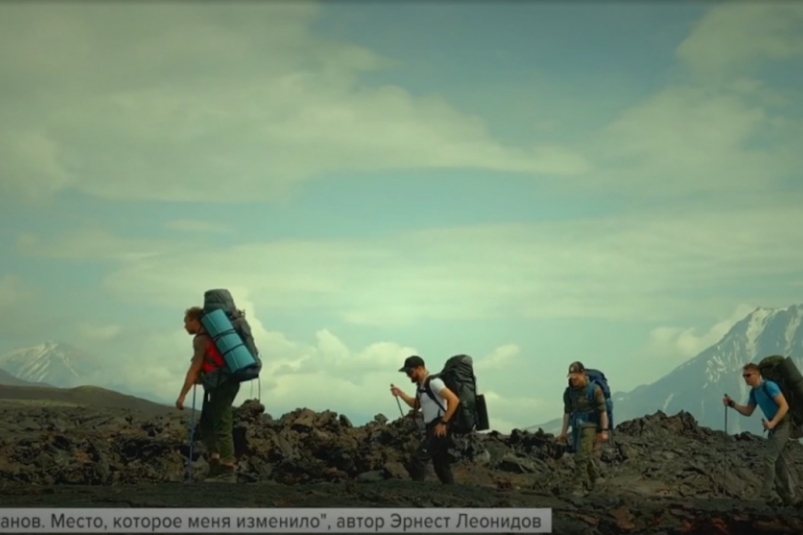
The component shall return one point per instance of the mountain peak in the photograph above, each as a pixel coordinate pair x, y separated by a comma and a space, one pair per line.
697, 386
50, 362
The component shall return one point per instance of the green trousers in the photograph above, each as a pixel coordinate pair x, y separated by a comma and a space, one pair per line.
216, 423
586, 471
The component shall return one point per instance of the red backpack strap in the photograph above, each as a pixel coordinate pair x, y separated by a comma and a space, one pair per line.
213, 359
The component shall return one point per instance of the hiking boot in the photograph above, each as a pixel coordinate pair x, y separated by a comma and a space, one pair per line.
222, 474
214, 467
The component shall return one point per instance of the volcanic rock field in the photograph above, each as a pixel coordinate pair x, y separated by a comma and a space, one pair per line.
662, 474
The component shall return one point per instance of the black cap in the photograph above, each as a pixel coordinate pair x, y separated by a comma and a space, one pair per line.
576, 367
411, 362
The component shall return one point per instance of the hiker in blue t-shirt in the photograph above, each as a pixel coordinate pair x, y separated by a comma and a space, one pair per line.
768, 396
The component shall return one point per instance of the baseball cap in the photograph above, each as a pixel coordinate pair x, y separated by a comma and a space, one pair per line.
576, 367
411, 362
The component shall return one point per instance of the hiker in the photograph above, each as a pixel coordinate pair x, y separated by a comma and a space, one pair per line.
777, 462
588, 416
438, 405
219, 394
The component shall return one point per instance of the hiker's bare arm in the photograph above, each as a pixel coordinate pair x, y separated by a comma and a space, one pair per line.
452, 402
566, 416
195, 367
783, 408
745, 410
409, 400
602, 409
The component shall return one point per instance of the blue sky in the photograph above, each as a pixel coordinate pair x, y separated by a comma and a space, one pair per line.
527, 183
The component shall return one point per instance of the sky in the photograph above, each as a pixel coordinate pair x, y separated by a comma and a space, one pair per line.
526, 183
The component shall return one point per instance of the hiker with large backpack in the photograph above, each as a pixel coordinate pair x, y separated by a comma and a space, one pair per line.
587, 409
224, 355
776, 387
450, 406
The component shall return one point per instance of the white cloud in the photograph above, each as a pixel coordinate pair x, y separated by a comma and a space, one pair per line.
94, 244
223, 103
718, 128
99, 332
641, 265
11, 292
734, 37
193, 225
707, 140
502, 357
684, 343
18, 315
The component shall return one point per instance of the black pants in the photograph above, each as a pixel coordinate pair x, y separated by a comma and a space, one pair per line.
435, 449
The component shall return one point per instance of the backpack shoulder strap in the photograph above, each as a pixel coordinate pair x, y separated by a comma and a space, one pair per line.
590, 390
766, 387
431, 394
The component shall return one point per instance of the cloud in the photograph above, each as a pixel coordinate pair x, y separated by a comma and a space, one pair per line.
192, 225
707, 141
217, 103
502, 357
643, 265
197, 226
684, 343
11, 292
717, 125
99, 332
18, 315
736, 36
93, 244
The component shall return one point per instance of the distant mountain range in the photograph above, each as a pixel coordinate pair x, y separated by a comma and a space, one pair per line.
6, 379
81, 396
697, 386
50, 362
59, 365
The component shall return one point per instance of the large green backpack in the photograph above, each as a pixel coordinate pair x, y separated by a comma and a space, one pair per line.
782, 371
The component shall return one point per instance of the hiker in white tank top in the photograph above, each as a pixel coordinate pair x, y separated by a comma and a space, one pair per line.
438, 406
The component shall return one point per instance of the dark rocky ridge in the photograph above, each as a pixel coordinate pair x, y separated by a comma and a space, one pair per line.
662, 474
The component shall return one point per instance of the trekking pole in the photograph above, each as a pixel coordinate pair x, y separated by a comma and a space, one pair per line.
192, 436
725, 445
401, 412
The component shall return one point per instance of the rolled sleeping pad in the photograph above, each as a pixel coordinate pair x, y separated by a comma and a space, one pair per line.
228, 342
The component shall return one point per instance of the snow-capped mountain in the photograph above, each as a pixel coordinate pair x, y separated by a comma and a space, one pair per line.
63, 366
6, 379
697, 386
52, 363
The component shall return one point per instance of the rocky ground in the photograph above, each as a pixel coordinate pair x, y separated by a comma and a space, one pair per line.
662, 474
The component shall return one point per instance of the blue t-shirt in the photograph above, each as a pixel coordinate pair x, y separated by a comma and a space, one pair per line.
758, 396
